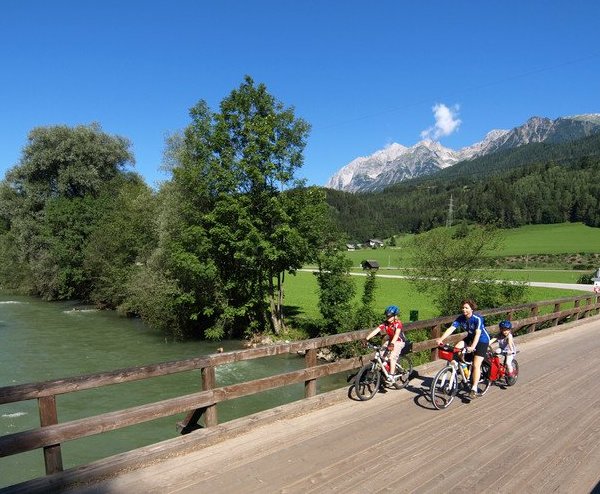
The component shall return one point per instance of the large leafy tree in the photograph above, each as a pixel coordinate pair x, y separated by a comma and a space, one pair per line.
235, 219
454, 265
49, 206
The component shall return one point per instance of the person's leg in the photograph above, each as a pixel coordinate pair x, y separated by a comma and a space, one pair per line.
476, 371
509, 366
398, 346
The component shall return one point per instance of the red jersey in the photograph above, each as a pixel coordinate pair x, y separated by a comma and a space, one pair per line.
390, 329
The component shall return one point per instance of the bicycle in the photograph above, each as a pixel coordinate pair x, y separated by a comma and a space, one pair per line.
496, 369
454, 376
376, 373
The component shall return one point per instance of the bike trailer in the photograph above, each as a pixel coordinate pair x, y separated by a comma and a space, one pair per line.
494, 367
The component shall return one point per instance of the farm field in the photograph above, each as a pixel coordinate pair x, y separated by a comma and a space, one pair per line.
565, 238
302, 296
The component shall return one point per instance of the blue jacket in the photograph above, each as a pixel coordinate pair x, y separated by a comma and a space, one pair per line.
472, 324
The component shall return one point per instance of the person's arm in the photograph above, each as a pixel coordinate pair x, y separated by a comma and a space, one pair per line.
396, 336
373, 333
447, 333
511, 343
475, 341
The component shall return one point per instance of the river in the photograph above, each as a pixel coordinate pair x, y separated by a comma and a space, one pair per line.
41, 340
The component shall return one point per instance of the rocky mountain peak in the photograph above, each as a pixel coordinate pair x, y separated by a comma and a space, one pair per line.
396, 162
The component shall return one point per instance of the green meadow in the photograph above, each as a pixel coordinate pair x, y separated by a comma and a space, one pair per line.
566, 238
302, 296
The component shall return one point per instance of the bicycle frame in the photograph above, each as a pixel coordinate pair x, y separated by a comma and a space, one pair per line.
369, 378
445, 384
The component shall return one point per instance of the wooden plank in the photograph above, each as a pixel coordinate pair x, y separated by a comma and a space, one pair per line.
55, 434
209, 381
49, 416
310, 386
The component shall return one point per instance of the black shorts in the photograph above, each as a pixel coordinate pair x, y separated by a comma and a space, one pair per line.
480, 349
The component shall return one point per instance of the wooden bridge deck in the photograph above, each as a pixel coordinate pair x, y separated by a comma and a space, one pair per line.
542, 435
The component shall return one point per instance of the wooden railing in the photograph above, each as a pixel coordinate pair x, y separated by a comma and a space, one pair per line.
203, 404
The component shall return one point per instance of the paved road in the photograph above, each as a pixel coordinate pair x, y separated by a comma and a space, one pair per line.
543, 284
541, 435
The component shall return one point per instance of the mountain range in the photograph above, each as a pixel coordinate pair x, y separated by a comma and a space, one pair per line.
397, 163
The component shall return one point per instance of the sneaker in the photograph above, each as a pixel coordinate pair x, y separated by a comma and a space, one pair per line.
474, 394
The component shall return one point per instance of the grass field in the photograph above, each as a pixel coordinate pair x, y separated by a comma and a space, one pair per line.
566, 238
302, 296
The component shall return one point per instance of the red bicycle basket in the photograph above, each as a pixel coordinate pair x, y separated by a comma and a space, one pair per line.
445, 352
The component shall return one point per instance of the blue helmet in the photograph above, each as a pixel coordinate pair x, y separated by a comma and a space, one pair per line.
505, 325
391, 310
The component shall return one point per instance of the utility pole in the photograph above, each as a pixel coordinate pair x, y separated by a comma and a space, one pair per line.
449, 220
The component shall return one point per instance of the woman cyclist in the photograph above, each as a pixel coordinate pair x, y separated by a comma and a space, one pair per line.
477, 339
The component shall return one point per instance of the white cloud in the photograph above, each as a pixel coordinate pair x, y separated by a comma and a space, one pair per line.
446, 122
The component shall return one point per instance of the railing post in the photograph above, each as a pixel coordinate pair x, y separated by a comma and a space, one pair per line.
436, 332
533, 313
576, 306
209, 381
49, 416
556, 311
310, 360
588, 303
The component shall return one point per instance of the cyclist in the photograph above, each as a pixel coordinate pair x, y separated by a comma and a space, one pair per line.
477, 339
506, 343
393, 336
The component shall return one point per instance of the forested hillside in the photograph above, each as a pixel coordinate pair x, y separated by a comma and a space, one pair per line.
537, 183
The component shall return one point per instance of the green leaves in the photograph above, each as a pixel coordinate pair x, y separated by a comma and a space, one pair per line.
239, 225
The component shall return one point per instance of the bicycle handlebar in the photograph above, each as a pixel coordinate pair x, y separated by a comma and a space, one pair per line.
451, 348
382, 349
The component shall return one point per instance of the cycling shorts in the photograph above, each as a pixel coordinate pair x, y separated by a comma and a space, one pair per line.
480, 349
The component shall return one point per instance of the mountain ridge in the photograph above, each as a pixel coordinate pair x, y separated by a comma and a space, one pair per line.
397, 163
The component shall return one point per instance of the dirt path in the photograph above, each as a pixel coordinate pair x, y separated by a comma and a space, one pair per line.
542, 435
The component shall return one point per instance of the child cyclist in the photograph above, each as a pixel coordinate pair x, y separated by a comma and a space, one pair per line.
506, 343
477, 339
393, 337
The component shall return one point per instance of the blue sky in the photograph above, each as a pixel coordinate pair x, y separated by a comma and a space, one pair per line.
363, 74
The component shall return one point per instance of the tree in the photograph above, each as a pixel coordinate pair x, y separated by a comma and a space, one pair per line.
123, 238
336, 290
235, 220
365, 314
49, 205
453, 268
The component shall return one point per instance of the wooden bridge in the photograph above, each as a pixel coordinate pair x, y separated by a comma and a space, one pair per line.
541, 435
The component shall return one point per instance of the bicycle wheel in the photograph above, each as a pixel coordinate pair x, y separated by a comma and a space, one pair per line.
443, 388
366, 382
484, 379
513, 379
403, 371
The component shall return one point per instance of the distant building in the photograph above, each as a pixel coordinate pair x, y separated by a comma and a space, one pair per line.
350, 247
369, 264
374, 243
596, 280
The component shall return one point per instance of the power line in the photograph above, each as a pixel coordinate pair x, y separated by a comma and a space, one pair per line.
449, 219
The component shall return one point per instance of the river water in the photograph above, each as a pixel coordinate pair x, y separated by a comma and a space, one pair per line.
41, 340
